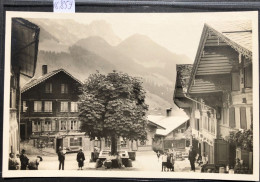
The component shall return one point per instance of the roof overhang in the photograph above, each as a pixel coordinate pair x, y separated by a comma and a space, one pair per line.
210, 61
25, 40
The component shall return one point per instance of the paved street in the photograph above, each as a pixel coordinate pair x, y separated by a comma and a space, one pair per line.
145, 161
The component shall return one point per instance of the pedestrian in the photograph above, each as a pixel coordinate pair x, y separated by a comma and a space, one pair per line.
13, 163
61, 158
33, 165
164, 161
158, 155
204, 162
80, 159
24, 160
192, 158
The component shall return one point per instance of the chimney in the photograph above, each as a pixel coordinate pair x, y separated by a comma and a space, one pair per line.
169, 112
44, 69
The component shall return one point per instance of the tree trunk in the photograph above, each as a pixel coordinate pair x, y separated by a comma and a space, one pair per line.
113, 145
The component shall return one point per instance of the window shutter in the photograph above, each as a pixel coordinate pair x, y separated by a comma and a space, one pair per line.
248, 77
243, 122
232, 122
235, 81
33, 126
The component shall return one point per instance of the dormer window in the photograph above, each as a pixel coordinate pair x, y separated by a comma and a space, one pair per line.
64, 88
48, 88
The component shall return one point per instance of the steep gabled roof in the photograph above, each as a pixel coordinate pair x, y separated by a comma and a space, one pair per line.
236, 34
169, 123
34, 82
153, 119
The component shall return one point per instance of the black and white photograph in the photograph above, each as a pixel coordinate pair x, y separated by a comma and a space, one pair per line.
150, 95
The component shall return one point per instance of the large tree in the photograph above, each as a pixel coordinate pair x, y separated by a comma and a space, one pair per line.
113, 106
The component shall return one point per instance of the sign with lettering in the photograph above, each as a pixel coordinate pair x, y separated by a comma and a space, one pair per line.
64, 6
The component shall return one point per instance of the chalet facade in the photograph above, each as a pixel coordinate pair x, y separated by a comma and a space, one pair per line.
217, 92
174, 136
49, 115
23, 62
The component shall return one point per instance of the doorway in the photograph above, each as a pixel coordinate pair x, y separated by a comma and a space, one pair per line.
59, 143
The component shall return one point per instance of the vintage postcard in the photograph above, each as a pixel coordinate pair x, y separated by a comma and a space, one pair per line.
133, 95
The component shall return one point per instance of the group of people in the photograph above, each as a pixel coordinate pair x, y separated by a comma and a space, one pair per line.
61, 157
24, 163
168, 160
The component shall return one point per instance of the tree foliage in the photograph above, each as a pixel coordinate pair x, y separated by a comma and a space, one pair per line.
243, 139
113, 105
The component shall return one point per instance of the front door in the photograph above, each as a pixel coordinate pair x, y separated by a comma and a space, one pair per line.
59, 144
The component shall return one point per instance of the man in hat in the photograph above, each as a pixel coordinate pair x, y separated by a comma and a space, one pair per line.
192, 158
24, 160
80, 159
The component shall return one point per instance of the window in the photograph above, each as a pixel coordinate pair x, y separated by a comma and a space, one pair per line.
73, 125
107, 142
48, 88
248, 76
24, 106
64, 88
232, 121
74, 107
36, 126
123, 143
47, 126
64, 107
63, 125
197, 124
48, 106
243, 123
76, 141
37, 106
235, 81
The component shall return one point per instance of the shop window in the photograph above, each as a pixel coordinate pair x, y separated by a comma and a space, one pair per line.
76, 141
36, 126
74, 107
48, 88
235, 81
47, 106
64, 107
248, 76
64, 88
37, 106
243, 123
63, 125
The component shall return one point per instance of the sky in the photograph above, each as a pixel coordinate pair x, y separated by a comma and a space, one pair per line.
178, 32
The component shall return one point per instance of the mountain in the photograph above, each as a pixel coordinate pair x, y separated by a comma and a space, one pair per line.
82, 49
65, 32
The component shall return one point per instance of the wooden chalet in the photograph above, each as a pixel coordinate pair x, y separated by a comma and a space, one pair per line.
49, 117
173, 136
24, 50
219, 91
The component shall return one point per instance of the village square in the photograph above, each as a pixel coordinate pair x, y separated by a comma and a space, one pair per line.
115, 120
